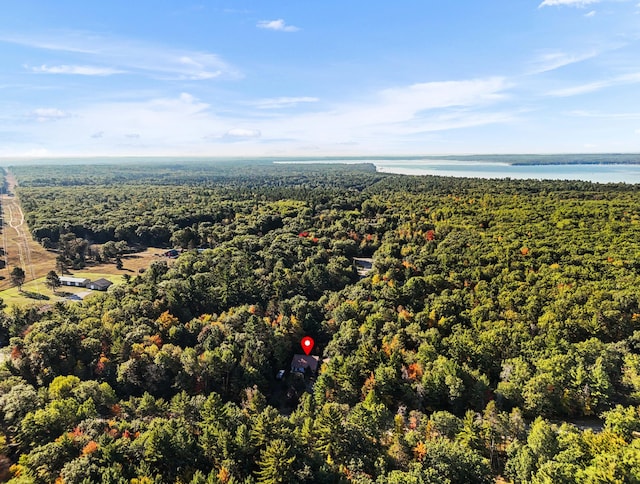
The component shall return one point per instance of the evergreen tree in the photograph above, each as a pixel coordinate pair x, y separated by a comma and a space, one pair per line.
275, 464
53, 281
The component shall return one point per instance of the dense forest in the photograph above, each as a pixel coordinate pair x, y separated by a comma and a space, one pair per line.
497, 333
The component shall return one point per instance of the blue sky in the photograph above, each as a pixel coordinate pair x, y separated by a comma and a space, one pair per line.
293, 78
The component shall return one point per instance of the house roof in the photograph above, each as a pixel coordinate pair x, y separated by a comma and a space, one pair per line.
101, 283
304, 361
73, 279
364, 265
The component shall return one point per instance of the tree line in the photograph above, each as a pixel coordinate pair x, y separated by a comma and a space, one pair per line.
495, 314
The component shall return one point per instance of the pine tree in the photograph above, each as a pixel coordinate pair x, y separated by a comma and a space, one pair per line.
275, 464
331, 434
53, 281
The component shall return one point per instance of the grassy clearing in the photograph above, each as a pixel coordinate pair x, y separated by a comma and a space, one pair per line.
21, 250
36, 293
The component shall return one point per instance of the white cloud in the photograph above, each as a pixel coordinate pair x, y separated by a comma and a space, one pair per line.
234, 134
638, 131
36, 153
454, 120
278, 25
200, 71
581, 89
184, 124
43, 115
395, 113
434, 95
590, 14
596, 85
555, 60
154, 126
78, 70
594, 114
570, 3
242, 133
283, 102
65, 45
128, 55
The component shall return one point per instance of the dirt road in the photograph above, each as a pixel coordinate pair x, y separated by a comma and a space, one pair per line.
19, 248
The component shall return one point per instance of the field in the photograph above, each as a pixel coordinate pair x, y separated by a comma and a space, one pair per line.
35, 291
20, 250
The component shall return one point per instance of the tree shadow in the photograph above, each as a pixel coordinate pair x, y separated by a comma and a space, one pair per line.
35, 295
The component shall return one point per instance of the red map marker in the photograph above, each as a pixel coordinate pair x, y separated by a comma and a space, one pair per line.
307, 344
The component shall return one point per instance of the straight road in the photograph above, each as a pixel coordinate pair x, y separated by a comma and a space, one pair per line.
19, 248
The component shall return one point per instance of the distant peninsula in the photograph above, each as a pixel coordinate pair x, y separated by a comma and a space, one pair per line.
509, 159
559, 159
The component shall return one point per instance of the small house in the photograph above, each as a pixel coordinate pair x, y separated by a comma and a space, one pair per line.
99, 284
363, 265
74, 281
300, 363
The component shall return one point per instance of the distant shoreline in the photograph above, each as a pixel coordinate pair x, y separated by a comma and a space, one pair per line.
509, 159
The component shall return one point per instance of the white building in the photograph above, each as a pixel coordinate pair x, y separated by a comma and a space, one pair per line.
74, 281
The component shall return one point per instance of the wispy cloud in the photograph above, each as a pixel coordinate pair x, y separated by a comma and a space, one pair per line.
128, 55
199, 67
582, 89
42, 115
278, 25
186, 124
433, 95
457, 119
160, 122
399, 112
283, 102
596, 114
555, 60
596, 85
234, 135
569, 3
72, 69
242, 133
68, 42
592, 13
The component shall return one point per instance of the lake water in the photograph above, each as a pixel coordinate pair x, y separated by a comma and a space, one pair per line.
605, 173
497, 166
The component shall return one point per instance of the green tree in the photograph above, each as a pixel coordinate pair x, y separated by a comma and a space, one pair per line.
61, 263
332, 435
275, 463
17, 277
53, 281
453, 462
